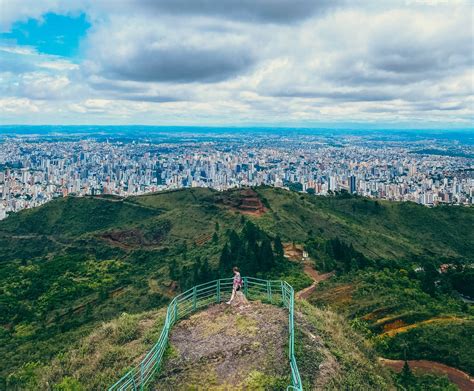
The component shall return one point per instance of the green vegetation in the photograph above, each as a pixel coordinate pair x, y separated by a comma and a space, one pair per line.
407, 381
97, 359
379, 230
332, 355
447, 342
404, 313
74, 263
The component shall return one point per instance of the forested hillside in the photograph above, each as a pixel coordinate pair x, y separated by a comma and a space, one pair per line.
76, 262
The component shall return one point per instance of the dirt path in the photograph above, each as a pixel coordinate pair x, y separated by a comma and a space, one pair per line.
460, 378
316, 277
402, 329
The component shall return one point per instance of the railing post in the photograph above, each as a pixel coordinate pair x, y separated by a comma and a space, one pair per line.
175, 311
269, 291
282, 293
141, 376
218, 293
194, 298
246, 287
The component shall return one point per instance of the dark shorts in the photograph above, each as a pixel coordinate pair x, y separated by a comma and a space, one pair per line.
238, 288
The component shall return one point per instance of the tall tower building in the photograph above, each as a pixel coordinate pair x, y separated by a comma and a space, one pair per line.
352, 184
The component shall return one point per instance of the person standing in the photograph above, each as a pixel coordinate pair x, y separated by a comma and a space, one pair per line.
237, 285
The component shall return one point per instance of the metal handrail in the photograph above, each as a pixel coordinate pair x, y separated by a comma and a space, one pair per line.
275, 291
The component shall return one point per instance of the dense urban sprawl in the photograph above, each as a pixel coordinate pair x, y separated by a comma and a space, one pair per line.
34, 171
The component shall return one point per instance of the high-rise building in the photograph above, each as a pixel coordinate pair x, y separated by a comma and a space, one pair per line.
352, 184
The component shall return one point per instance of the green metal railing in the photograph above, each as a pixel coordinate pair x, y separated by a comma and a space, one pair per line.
276, 292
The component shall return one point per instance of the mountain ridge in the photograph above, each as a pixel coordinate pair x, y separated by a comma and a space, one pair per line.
75, 262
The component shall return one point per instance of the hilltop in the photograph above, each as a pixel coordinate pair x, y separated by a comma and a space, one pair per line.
74, 263
219, 347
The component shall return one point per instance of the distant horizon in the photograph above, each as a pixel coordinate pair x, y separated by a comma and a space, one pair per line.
242, 126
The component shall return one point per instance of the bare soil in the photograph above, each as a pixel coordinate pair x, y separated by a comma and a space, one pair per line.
225, 347
293, 251
244, 201
316, 277
460, 378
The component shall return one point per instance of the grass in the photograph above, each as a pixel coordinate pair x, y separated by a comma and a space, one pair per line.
98, 359
331, 355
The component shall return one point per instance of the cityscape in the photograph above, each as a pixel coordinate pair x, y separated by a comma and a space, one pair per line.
38, 168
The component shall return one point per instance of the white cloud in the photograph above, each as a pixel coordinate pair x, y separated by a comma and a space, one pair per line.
146, 62
59, 65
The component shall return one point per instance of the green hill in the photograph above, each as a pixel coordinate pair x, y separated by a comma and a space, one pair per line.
74, 263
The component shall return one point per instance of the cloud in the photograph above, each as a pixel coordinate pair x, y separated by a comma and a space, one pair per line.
262, 61
268, 11
178, 64
174, 51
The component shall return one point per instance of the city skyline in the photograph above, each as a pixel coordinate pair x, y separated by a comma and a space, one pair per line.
429, 169
327, 64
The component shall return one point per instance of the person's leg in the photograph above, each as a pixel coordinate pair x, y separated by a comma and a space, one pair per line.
231, 296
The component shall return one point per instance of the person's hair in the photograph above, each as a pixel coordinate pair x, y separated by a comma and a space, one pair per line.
235, 269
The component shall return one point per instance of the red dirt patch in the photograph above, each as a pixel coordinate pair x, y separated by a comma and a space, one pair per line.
403, 328
374, 315
394, 325
245, 201
203, 239
460, 378
316, 277
293, 251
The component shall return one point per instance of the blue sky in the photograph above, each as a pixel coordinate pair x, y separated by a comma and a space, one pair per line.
392, 64
52, 34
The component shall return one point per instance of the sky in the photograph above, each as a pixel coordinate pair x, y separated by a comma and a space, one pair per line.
302, 63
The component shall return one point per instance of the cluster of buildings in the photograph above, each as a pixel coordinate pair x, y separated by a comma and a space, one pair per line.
34, 171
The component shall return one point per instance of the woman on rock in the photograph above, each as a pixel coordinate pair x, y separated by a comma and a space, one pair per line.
237, 283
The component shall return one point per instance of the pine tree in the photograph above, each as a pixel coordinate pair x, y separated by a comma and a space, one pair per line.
184, 278
173, 270
235, 246
205, 273
196, 271
407, 379
215, 238
279, 251
250, 232
267, 260
225, 261
185, 250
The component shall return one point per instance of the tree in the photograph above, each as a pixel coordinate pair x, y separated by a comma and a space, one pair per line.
215, 238
184, 250
184, 278
235, 246
196, 271
267, 260
406, 377
173, 270
250, 232
279, 251
216, 227
225, 261
205, 273
429, 278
